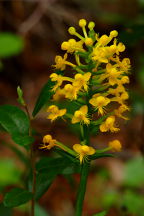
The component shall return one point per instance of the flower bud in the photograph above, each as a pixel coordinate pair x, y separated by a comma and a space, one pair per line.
72, 30
82, 23
91, 25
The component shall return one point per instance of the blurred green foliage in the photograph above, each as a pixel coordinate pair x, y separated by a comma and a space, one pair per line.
10, 173
10, 44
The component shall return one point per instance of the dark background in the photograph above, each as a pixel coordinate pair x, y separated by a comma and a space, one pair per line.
115, 184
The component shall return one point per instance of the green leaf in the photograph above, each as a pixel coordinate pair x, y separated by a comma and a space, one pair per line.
10, 44
10, 173
16, 197
43, 182
103, 213
53, 165
16, 123
4, 211
47, 170
134, 172
20, 96
22, 140
44, 97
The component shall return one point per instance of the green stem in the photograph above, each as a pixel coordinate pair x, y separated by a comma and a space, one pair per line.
32, 159
82, 188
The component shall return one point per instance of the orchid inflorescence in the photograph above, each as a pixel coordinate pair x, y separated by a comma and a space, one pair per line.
96, 84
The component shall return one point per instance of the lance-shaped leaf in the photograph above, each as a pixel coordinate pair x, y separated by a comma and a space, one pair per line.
44, 96
16, 123
16, 197
47, 170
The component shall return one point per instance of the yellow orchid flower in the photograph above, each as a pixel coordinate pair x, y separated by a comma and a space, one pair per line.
83, 151
55, 112
115, 145
70, 92
81, 116
99, 102
109, 125
48, 142
81, 81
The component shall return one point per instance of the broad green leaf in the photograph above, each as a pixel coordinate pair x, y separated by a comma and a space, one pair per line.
53, 165
134, 172
16, 197
103, 213
44, 97
10, 44
43, 182
10, 174
16, 123
4, 211
22, 140
47, 170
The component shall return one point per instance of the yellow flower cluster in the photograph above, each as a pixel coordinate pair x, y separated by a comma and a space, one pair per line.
97, 83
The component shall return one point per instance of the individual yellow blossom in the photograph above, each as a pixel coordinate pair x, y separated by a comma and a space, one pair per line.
100, 54
103, 40
59, 79
112, 74
124, 80
121, 98
56, 78
83, 151
100, 102
55, 112
116, 91
118, 112
59, 94
109, 125
72, 45
120, 47
125, 64
70, 92
81, 116
61, 62
81, 81
115, 145
88, 41
48, 142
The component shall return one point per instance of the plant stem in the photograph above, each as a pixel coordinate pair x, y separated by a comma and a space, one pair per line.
84, 173
82, 188
32, 159
33, 181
